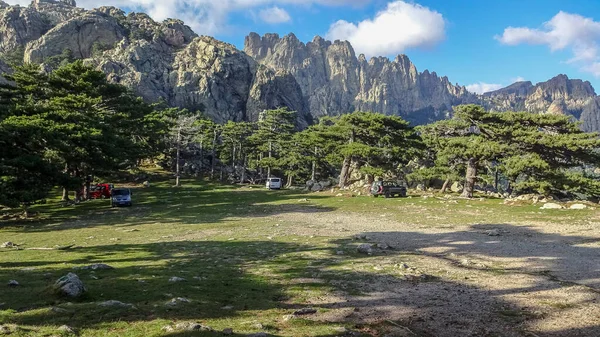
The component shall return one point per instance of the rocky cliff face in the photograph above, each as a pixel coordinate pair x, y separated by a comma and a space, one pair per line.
166, 61
559, 95
163, 61
334, 80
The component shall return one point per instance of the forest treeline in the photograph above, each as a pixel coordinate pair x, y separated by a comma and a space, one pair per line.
60, 128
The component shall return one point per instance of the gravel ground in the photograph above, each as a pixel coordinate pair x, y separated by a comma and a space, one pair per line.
517, 279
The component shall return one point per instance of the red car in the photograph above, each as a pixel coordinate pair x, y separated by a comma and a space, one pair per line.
101, 191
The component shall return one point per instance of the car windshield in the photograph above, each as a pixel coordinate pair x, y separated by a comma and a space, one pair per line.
390, 184
274, 180
120, 192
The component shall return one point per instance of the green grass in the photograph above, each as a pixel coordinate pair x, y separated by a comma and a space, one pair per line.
239, 274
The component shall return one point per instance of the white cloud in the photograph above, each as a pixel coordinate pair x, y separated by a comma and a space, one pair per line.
482, 88
399, 26
274, 15
518, 79
579, 34
204, 16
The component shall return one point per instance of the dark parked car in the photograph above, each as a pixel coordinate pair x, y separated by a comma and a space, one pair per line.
121, 197
388, 189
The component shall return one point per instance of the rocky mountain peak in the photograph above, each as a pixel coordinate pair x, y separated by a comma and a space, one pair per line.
71, 3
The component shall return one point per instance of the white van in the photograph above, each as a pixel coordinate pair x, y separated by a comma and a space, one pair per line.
274, 183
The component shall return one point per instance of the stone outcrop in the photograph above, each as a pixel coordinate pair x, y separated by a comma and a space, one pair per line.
334, 80
559, 95
161, 61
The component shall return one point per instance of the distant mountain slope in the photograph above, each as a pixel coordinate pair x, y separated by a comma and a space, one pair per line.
334, 80
160, 61
168, 62
559, 95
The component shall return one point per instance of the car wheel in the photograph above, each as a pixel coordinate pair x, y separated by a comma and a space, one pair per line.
376, 195
112, 204
388, 195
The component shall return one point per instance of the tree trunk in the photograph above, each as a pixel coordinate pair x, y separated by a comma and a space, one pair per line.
470, 179
65, 194
244, 163
270, 156
87, 187
496, 180
445, 186
177, 168
261, 172
213, 161
26, 210
313, 175
344, 175
290, 181
201, 156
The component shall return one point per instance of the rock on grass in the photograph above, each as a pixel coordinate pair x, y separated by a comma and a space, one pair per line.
98, 266
365, 248
117, 304
69, 285
305, 311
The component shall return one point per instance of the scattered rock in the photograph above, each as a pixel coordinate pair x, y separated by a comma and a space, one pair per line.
365, 248
259, 334
578, 206
303, 200
402, 265
227, 307
493, 232
456, 187
228, 331
118, 304
4, 330
339, 252
191, 326
69, 285
13, 283
176, 279
288, 317
98, 266
339, 195
176, 301
383, 246
67, 329
8, 245
59, 310
552, 205
146, 184
305, 311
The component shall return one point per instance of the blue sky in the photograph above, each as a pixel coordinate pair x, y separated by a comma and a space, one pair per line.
470, 41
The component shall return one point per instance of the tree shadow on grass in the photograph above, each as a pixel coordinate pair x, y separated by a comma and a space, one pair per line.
246, 281
205, 203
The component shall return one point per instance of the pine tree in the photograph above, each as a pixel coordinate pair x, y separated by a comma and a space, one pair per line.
274, 128
373, 142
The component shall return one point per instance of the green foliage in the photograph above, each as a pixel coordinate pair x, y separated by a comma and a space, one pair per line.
69, 124
15, 57
60, 60
537, 153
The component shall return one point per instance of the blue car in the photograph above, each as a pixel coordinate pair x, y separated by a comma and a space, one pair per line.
121, 197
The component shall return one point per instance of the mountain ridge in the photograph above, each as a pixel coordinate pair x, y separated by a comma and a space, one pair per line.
167, 61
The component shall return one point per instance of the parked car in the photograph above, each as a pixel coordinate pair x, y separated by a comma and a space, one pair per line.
101, 191
274, 183
121, 197
388, 189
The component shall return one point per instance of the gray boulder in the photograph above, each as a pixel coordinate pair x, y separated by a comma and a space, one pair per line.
69, 285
